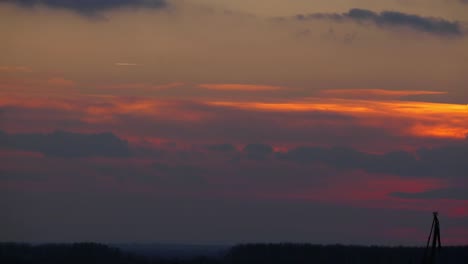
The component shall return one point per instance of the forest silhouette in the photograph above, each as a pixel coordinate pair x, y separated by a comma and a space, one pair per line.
92, 253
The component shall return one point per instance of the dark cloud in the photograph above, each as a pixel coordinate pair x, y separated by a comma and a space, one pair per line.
180, 173
10, 116
21, 176
67, 144
258, 151
221, 147
161, 176
448, 193
437, 26
443, 162
89, 7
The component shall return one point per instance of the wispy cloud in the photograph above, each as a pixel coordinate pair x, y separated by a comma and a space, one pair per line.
387, 19
125, 64
239, 87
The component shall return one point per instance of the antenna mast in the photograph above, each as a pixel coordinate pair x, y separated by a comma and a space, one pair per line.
429, 257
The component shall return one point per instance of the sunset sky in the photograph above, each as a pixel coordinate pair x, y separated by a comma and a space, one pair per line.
227, 121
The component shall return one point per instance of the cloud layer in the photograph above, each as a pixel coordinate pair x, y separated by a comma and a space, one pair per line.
443, 162
88, 7
67, 144
440, 162
238, 125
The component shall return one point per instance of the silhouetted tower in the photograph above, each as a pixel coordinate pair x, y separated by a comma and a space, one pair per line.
430, 253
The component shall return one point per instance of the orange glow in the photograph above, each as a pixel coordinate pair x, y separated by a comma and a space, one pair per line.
240, 87
402, 118
350, 106
439, 131
295, 106
426, 119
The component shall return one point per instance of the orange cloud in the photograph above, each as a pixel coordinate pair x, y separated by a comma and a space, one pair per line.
396, 118
421, 119
299, 106
240, 87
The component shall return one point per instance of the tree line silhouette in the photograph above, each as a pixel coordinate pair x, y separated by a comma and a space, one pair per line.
91, 253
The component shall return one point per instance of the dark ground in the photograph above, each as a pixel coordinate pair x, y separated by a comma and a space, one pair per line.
91, 253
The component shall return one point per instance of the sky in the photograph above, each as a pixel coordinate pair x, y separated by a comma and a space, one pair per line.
233, 121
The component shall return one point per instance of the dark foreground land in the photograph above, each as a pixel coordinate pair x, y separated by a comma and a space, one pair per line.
243, 254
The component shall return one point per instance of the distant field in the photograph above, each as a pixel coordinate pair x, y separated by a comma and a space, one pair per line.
179, 251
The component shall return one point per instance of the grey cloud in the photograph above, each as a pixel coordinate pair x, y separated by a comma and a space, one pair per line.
67, 144
160, 175
443, 162
437, 26
88, 7
448, 193
258, 151
180, 173
221, 147
39, 117
21, 176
